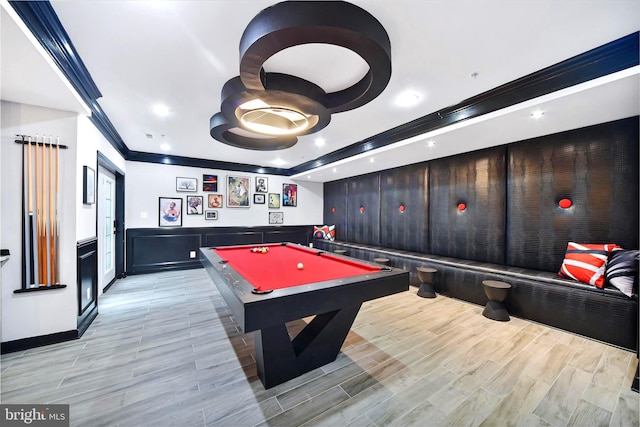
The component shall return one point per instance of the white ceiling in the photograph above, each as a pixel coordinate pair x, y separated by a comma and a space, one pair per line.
180, 53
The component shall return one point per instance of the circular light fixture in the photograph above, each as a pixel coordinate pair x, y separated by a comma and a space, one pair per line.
462, 207
361, 209
401, 208
283, 106
333, 210
275, 121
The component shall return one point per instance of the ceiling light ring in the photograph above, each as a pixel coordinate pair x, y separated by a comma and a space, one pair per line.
220, 130
283, 91
293, 23
278, 99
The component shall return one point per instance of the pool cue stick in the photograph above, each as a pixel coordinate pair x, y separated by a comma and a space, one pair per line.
57, 206
37, 212
26, 226
33, 215
52, 253
43, 218
45, 234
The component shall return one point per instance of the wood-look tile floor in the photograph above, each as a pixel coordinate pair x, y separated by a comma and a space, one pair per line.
165, 351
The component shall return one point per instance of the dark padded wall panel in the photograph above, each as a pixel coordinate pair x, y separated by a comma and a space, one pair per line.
405, 186
364, 227
335, 197
478, 180
597, 168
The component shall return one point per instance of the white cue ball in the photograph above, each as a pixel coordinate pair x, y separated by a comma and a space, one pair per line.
300, 266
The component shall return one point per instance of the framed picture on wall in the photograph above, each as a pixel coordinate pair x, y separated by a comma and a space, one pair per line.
214, 200
194, 205
276, 218
274, 201
258, 199
238, 191
262, 184
210, 183
211, 215
186, 184
88, 185
170, 212
289, 195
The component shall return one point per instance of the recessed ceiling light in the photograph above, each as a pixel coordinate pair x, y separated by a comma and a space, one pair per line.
161, 110
335, 170
408, 98
372, 160
278, 162
537, 114
165, 147
431, 143
320, 142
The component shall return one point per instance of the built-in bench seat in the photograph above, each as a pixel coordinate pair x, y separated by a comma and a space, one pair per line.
603, 314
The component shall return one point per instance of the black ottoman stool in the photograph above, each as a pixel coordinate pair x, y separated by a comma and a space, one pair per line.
426, 276
497, 292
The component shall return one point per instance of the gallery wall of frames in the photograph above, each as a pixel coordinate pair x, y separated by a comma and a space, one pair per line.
177, 196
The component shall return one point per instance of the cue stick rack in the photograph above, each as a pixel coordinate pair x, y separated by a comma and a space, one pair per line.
40, 213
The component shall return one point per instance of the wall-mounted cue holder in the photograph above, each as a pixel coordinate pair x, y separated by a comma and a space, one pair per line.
40, 216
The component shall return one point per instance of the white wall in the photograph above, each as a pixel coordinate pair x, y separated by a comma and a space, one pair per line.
36, 313
90, 141
146, 182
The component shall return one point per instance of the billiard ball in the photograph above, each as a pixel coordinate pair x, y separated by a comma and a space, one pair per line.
300, 266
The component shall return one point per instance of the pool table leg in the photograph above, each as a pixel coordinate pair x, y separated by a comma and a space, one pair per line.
279, 359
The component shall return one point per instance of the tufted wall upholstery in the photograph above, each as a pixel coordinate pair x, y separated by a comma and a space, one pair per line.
597, 168
478, 180
407, 229
335, 207
364, 227
511, 192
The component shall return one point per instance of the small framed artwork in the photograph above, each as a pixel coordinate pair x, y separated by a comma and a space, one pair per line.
258, 199
186, 184
289, 195
238, 191
274, 201
210, 183
214, 200
170, 212
262, 184
276, 218
194, 205
211, 215
88, 185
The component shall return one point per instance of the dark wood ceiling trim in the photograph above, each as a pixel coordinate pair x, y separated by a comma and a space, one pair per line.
615, 56
43, 22
139, 156
601, 61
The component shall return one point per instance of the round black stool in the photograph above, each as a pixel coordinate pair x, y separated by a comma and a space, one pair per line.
341, 251
426, 276
497, 292
383, 261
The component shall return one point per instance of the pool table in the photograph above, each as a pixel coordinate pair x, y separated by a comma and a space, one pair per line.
266, 290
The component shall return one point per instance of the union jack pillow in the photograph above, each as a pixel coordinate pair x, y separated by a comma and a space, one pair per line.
324, 232
586, 263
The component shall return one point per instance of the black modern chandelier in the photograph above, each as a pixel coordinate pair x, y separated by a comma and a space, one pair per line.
268, 111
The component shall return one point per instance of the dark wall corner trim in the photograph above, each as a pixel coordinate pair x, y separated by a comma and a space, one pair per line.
39, 341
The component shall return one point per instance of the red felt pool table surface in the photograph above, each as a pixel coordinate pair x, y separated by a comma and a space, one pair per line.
278, 269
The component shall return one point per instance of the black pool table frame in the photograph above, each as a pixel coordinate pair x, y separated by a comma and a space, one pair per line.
335, 304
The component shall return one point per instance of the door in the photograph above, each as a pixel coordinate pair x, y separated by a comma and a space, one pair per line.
106, 227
